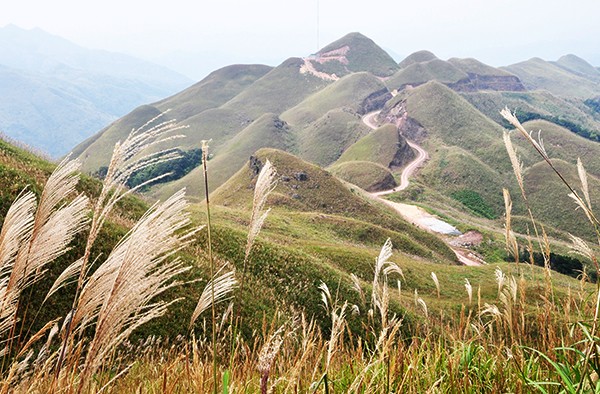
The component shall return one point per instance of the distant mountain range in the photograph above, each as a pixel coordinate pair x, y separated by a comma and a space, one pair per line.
54, 94
312, 107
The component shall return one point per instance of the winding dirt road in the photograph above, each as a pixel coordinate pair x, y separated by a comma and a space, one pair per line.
413, 213
370, 120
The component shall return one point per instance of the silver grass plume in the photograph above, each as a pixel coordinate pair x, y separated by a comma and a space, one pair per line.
267, 355
511, 240
469, 289
337, 328
436, 282
500, 279
265, 184
539, 147
380, 292
325, 296
222, 284
517, 165
423, 305
16, 232
581, 248
119, 293
584, 183
37, 239
356, 285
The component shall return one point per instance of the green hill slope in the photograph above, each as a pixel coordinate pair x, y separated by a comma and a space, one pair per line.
384, 146
367, 175
540, 74
349, 92
579, 66
303, 187
324, 140
354, 53
281, 88
417, 57
213, 91
267, 131
421, 72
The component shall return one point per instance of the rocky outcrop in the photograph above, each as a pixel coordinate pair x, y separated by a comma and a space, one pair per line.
408, 127
386, 183
404, 154
375, 101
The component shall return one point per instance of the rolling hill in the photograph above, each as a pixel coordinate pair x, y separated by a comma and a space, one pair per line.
312, 107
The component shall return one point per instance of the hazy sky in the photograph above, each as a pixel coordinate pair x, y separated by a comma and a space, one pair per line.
198, 36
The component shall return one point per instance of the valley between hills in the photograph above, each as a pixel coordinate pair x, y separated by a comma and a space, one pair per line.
370, 225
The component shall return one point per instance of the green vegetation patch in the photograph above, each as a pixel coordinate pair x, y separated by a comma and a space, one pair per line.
473, 200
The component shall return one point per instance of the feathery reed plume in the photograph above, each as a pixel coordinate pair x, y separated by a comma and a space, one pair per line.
437, 283
45, 238
211, 262
222, 286
517, 165
267, 355
581, 248
338, 319
539, 147
127, 158
584, 183
469, 289
423, 305
16, 232
511, 240
500, 279
518, 169
356, 286
325, 296
119, 293
63, 278
380, 291
265, 184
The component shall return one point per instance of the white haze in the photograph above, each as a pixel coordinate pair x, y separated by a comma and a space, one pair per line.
197, 37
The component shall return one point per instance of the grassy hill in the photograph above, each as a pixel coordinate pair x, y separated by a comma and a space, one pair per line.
324, 140
540, 74
367, 175
468, 156
362, 55
349, 93
266, 131
417, 57
579, 66
280, 89
417, 73
383, 146
210, 93
474, 66
303, 187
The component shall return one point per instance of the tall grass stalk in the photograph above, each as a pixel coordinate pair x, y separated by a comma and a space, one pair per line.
265, 184
211, 262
